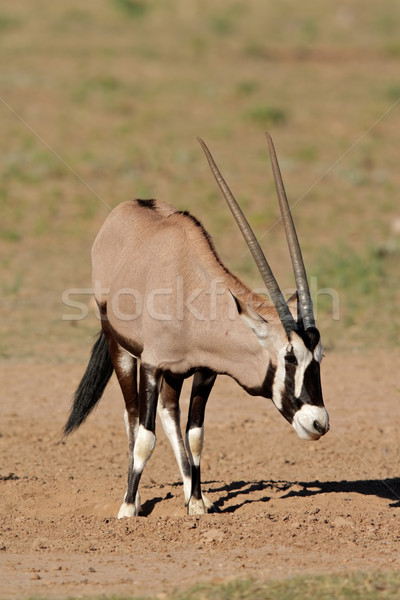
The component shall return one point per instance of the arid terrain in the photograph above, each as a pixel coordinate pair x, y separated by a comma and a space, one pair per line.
287, 506
101, 102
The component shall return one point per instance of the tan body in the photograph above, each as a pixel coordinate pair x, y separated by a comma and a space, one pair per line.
166, 257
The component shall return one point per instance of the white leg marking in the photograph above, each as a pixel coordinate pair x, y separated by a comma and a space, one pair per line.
125, 362
194, 443
127, 425
126, 421
171, 432
144, 446
194, 440
187, 488
175, 438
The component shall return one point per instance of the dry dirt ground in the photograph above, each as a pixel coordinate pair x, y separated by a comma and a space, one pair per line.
287, 506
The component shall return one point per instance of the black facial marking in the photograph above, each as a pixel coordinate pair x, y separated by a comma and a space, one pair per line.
290, 404
150, 204
269, 381
265, 390
311, 338
290, 358
311, 391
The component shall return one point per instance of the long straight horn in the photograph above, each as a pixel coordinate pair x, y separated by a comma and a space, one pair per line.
254, 247
305, 303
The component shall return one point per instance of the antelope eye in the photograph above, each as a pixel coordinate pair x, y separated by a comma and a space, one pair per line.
291, 359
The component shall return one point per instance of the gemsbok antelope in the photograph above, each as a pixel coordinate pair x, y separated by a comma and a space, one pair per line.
166, 299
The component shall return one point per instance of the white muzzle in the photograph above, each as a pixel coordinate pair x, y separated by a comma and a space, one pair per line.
310, 422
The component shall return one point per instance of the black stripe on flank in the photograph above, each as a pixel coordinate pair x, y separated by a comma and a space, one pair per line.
150, 204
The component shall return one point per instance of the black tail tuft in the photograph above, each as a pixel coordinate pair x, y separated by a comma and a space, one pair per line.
92, 385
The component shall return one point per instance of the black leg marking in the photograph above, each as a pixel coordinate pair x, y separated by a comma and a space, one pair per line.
145, 438
128, 383
203, 382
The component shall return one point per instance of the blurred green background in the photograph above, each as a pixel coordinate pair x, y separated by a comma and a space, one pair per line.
102, 101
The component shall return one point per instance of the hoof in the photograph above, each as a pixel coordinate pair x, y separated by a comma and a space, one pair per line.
127, 510
210, 507
196, 507
130, 510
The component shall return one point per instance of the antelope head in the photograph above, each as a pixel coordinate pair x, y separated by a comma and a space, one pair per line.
296, 349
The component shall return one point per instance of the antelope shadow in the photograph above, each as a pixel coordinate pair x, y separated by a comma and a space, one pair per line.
383, 488
149, 505
244, 491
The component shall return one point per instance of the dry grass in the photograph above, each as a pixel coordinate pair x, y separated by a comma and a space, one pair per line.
345, 587
102, 102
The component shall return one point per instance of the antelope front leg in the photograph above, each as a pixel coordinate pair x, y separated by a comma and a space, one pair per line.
144, 441
203, 382
168, 409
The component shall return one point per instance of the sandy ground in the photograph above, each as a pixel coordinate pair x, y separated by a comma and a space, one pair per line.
287, 506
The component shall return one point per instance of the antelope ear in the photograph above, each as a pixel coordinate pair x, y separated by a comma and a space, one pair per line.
251, 318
